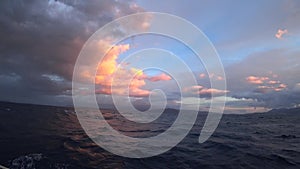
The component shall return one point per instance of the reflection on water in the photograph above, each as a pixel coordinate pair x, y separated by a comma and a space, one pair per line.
51, 137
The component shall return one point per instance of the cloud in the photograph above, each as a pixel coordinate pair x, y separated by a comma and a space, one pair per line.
274, 82
160, 77
203, 91
41, 38
256, 79
40, 42
267, 77
280, 33
211, 76
280, 87
212, 91
266, 89
202, 75
108, 66
113, 78
120, 79
265, 84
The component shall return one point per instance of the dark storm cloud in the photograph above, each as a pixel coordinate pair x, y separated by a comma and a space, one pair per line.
40, 41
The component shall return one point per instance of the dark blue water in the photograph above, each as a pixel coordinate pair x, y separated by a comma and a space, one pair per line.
50, 137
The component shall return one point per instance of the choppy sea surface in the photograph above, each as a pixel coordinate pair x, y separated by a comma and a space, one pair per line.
45, 137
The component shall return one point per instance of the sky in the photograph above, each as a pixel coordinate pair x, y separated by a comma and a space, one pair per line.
258, 43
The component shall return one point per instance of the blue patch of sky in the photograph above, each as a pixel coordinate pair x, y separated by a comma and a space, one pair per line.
175, 47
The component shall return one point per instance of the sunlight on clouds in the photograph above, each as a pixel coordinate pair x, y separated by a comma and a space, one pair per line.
256, 79
266, 84
280, 33
161, 77
121, 79
202, 75
113, 79
201, 90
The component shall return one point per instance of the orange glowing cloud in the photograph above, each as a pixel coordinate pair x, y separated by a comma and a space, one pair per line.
119, 79
280, 33
112, 78
124, 82
109, 63
256, 79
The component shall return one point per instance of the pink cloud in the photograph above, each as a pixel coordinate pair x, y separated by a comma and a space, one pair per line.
265, 89
256, 79
161, 77
200, 90
220, 78
266, 84
208, 91
281, 87
202, 75
280, 33
197, 87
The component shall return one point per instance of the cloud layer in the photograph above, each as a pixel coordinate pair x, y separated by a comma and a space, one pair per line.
40, 42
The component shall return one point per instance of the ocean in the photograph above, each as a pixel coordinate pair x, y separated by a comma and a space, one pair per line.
42, 137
